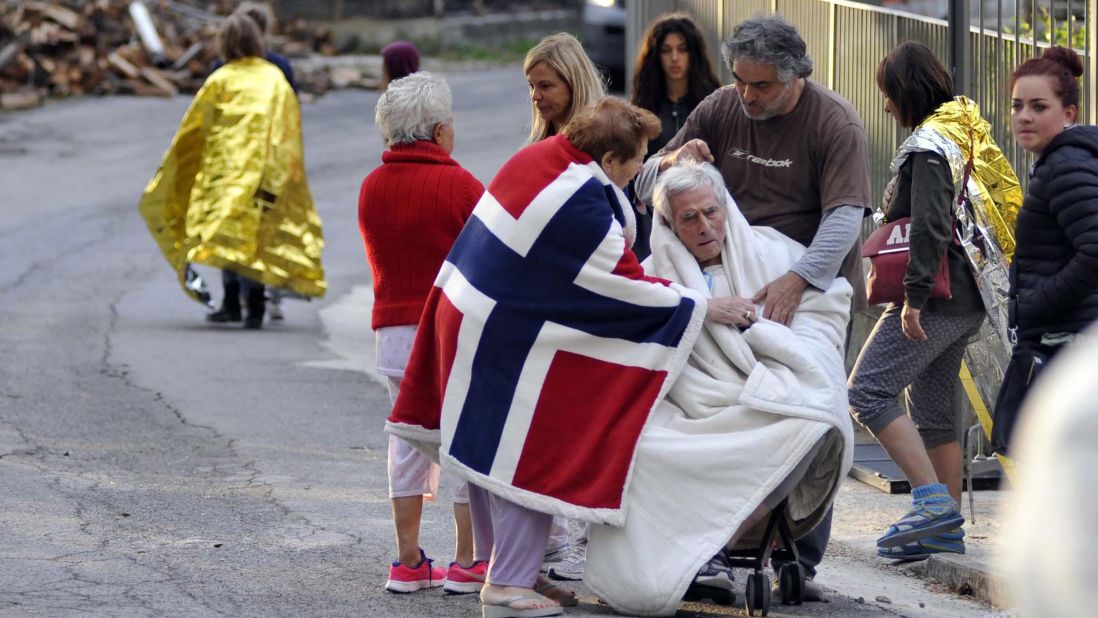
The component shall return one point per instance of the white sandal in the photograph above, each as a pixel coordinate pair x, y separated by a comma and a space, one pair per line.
506, 609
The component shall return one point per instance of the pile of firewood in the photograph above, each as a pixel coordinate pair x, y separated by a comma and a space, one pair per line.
152, 47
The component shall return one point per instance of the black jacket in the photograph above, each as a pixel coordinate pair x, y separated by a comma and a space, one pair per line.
672, 115
924, 192
1054, 276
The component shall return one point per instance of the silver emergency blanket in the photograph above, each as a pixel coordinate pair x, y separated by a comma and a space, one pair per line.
985, 225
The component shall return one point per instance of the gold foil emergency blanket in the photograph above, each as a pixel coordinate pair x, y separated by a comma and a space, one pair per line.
985, 223
231, 191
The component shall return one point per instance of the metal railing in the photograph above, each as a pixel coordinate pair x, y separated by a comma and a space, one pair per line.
847, 40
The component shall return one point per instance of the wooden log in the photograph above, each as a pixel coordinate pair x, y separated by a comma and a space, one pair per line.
49, 65
85, 55
12, 50
123, 66
140, 88
63, 16
59, 76
177, 78
134, 54
190, 54
23, 99
154, 77
146, 29
16, 17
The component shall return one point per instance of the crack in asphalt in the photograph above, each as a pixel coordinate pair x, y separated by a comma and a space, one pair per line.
296, 517
305, 527
35, 450
57, 257
120, 373
30, 453
93, 492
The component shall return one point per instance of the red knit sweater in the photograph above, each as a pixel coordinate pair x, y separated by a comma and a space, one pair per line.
410, 211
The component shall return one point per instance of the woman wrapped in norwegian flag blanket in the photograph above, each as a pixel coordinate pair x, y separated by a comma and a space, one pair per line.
543, 347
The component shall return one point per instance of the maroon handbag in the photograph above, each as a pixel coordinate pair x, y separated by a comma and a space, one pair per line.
888, 253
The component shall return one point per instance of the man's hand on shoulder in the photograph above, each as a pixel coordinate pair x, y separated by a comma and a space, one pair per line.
782, 297
694, 150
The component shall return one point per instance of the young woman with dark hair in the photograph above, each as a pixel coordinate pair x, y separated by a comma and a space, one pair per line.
917, 345
914, 83
673, 73
1054, 274
672, 76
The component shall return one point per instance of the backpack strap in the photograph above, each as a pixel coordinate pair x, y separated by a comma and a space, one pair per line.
968, 168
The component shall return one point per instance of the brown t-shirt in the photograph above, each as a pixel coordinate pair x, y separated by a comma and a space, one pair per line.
787, 171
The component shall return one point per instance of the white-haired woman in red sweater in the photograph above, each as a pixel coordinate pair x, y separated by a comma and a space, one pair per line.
410, 211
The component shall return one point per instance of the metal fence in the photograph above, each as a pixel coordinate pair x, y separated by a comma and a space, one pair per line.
336, 10
848, 39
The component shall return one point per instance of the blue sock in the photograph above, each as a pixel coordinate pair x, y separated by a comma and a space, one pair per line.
931, 493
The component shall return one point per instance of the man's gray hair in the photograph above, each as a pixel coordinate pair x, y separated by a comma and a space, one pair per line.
769, 39
411, 107
686, 176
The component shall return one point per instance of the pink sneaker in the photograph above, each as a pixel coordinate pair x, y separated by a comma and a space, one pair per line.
465, 580
409, 579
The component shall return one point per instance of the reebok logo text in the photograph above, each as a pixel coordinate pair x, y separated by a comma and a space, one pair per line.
743, 154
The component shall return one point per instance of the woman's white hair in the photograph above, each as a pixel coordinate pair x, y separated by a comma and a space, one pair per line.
686, 176
411, 108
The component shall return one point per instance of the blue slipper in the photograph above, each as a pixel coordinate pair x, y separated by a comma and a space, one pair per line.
927, 519
952, 542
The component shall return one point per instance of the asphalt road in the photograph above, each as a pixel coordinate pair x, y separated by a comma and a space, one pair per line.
151, 464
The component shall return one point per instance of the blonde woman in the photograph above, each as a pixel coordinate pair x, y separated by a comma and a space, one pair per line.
562, 81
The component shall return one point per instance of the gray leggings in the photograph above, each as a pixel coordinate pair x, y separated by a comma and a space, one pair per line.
925, 370
515, 535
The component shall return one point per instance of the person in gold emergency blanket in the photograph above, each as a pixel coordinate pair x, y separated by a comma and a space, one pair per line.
231, 192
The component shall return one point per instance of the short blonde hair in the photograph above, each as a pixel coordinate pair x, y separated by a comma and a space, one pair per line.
611, 125
239, 37
564, 54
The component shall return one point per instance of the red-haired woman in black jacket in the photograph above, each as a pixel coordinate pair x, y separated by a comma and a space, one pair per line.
1054, 275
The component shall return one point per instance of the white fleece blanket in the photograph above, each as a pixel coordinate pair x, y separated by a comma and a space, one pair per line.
746, 410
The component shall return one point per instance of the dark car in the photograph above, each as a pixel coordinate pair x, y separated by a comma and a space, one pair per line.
604, 37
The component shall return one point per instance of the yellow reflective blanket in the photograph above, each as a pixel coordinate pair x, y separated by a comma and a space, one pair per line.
960, 121
231, 191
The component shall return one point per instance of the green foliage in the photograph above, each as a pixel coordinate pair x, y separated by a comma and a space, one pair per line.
1053, 31
506, 51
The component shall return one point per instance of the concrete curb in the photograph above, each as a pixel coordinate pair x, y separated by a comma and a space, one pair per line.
974, 575
969, 576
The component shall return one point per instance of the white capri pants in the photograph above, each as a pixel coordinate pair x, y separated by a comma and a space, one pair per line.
411, 473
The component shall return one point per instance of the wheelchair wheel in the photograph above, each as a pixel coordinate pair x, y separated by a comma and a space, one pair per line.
791, 579
757, 594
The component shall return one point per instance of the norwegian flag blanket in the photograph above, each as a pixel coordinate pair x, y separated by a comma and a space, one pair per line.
543, 348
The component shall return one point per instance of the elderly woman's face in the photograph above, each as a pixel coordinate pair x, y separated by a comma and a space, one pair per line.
621, 170
697, 218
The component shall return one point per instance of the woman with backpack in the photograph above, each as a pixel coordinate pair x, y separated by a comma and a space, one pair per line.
918, 343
